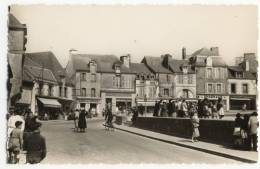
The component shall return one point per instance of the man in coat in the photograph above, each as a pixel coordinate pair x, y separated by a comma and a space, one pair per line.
35, 146
253, 125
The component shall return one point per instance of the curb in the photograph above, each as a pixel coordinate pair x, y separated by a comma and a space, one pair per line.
192, 147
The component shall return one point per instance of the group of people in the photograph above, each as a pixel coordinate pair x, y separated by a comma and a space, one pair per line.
182, 108
245, 131
23, 135
80, 122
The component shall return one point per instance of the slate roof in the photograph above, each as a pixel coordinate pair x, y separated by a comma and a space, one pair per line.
14, 23
205, 52
217, 61
175, 65
155, 64
105, 63
49, 61
31, 73
139, 68
233, 69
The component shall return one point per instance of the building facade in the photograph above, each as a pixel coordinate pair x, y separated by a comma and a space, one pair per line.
16, 47
100, 79
211, 75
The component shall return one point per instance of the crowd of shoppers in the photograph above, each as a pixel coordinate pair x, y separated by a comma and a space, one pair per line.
23, 136
181, 108
245, 131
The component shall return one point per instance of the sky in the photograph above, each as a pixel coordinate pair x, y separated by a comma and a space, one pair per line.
142, 30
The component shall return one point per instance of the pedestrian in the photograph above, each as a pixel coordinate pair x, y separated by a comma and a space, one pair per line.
220, 108
164, 109
110, 115
174, 107
156, 109
15, 143
237, 137
214, 110
244, 107
135, 115
245, 133
170, 108
35, 146
195, 122
82, 123
76, 120
253, 124
13, 119
184, 108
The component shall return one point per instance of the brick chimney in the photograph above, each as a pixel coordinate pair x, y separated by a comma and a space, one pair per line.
183, 53
126, 60
247, 67
214, 51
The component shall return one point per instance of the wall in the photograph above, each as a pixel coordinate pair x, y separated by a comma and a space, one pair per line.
215, 131
16, 40
252, 87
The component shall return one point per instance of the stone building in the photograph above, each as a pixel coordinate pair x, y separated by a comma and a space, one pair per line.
242, 85
100, 79
211, 75
16, 47
45, 87
146, 86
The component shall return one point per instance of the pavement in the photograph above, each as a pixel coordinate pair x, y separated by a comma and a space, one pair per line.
214, 149
97, 145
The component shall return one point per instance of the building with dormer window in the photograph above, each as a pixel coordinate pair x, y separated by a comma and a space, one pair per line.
211, 75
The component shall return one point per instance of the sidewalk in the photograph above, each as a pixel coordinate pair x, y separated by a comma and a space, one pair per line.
240, 155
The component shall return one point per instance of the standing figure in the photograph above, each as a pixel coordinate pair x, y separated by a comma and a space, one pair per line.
214, 110
82, 124
170, 108
184, 108
109, 117
195, 127
238, 141
253, 124
15, 143
220, 108
156, 109
76, 120
35, 145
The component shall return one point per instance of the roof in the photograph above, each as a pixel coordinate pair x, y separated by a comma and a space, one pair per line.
49, 61
139, 68
14, 23
205, 52
233, 69
155, 64
217, 61
105, 63
176, 65
31, 73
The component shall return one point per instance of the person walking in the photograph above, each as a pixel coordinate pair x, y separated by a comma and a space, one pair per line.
220, 108
82, 123
253, 124
15, 143
35, 145
195, 122
238, 141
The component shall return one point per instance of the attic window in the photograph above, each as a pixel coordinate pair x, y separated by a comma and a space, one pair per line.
185, 69
117, 68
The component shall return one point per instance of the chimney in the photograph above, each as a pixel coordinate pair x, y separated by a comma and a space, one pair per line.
183, 53
126, 60
166, 58
247, 65
214, 51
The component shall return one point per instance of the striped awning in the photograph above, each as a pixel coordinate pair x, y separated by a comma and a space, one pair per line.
50, 102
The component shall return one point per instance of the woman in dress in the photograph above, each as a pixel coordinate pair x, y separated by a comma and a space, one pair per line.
82, 124
195, 126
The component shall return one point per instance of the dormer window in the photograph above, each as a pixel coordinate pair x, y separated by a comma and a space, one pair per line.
117, 69
185, 69
239, 74
92, 66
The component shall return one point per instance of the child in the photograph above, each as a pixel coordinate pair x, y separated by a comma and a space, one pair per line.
15, 142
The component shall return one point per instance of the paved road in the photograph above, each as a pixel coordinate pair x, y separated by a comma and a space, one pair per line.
100, 146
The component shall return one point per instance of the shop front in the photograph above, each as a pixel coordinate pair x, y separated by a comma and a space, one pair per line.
49, 109
238, 101
214, 97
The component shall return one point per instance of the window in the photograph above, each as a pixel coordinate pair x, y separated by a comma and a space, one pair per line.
118, 81
123, 84
83, 92
141, 92
117, 68
166, 92
217, 73
93, 78
168, 78
210, 88
233, 88
65, 92
190, 79
83, 76
219, 88
60, 91
245, 89
114, 81
93, 92
180, 79
92, 67
185, 69
239, 74
185, 93
50, 90
209, 73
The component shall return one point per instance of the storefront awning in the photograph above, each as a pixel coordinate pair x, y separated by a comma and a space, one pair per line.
236, 98
50, 102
